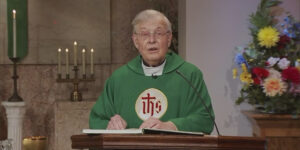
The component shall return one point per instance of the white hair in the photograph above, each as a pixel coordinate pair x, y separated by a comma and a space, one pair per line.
150, 14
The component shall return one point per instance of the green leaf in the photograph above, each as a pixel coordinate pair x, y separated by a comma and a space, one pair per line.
239, 101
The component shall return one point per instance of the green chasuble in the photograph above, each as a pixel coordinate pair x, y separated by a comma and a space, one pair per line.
136, 97
21, 27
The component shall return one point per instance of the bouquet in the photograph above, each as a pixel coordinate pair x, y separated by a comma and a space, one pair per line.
270, 63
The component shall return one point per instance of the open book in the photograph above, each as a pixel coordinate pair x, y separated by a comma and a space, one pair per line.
139, 131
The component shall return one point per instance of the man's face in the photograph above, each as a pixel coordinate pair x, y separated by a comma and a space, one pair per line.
152, 39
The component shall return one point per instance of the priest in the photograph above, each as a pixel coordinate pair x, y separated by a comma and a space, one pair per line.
150, 91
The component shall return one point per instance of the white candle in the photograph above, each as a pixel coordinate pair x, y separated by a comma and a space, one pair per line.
59, 61
14, 35
83, 61
92, 61
75, 53
67, 61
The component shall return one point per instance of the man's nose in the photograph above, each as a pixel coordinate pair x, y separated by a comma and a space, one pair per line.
152, 38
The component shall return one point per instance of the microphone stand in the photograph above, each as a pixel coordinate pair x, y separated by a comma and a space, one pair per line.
200, 99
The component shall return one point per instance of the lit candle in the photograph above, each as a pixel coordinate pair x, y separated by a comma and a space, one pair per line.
83, 61
59, 61
67, 61
14, 34
75, 53
92, 61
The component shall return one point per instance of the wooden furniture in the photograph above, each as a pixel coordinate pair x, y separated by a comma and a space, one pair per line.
282, 131
156, 141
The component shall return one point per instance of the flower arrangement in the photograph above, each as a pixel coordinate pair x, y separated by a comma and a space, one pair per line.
270, 63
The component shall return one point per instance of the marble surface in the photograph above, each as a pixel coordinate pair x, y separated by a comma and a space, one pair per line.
54, 24
38, 87
70, 118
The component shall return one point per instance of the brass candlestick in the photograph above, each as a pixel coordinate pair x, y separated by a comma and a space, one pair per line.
75, 94
15, 97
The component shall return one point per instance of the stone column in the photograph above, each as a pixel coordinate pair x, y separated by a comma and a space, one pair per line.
15, 112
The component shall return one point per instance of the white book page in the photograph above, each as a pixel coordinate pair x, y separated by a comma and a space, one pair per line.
104, 131
139, 131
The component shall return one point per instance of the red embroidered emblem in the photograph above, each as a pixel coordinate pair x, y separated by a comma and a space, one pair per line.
151, 103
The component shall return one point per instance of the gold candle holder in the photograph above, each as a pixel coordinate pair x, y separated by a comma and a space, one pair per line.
75, 94
35, 143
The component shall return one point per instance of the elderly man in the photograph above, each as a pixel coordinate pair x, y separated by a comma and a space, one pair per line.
148, 92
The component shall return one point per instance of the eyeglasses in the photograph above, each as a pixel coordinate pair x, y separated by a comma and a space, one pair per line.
147, 35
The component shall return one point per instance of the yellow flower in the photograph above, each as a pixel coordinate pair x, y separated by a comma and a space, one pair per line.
234, 73
268, 37
244, 68
274, 86
246, 77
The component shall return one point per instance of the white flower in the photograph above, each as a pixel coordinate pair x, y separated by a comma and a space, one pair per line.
272, 61
274, 73
284, 63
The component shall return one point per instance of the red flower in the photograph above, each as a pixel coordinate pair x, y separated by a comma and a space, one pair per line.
284, 39
267, 63
292, 74
260, 72
256, 81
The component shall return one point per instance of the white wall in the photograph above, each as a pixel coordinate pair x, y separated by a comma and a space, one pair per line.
213, 29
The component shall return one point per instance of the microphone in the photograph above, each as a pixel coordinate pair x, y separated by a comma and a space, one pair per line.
199, 96
154, 76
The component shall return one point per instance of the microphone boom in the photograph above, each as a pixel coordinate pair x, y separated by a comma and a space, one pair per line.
199, 96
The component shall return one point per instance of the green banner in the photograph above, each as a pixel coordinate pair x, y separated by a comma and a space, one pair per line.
20, 29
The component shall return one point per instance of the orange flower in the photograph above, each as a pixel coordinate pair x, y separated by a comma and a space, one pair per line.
274, 86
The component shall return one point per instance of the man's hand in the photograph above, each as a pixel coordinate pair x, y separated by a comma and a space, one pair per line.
116, 123
155, 123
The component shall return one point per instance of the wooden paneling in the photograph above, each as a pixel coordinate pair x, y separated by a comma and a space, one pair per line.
117, 141
281, 130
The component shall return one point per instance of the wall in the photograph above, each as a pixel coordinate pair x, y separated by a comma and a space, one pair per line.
213, 29
57, 24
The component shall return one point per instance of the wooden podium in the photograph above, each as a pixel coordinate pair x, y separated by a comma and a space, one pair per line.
156, 141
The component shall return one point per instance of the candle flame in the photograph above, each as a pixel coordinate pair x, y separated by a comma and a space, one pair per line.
59, 50
92, 50
14, 13
67, 50
75, 43
83, 50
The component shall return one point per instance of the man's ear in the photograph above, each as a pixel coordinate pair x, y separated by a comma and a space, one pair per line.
135, 40
170, 39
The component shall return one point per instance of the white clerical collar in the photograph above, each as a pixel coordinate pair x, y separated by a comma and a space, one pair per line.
153, 71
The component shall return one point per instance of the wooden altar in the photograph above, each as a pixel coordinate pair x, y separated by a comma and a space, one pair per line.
156, 141
282, 131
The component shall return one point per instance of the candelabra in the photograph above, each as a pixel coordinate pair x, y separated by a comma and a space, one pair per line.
75, 94
15, 97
